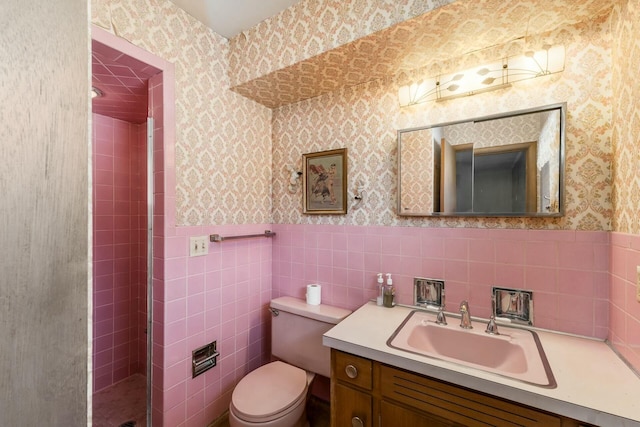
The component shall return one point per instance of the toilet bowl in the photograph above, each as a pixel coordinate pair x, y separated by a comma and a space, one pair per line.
275, 394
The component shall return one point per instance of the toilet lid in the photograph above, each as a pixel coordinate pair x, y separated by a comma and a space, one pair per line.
269, 390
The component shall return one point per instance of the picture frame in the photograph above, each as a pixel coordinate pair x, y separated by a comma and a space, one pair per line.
324, 182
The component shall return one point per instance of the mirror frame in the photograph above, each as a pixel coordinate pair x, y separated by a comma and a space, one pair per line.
562, 107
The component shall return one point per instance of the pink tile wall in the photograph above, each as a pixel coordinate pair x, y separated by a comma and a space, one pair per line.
221, 297
566, 270
119, 266
158, 111
624, 307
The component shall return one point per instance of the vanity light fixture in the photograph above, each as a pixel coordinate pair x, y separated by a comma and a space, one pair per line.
496, 75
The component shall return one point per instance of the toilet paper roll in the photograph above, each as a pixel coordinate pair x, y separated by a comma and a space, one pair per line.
314, 294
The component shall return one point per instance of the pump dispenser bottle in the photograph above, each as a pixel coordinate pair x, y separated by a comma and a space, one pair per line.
388, 293
380, 289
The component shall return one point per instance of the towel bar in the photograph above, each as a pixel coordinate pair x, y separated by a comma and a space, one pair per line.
219, 238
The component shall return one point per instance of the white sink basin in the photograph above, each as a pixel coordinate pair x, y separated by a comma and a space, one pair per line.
515, 353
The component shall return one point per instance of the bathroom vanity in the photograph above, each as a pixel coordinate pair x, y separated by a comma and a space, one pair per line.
402, 398
376, 385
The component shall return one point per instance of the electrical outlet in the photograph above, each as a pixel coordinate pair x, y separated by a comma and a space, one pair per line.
638, 283
198, 246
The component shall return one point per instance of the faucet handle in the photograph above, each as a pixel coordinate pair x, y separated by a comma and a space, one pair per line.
440, 318
492, 326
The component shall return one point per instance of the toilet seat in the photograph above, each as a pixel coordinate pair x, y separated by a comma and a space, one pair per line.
268, 392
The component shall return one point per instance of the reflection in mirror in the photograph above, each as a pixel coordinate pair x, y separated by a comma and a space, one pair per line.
504, 165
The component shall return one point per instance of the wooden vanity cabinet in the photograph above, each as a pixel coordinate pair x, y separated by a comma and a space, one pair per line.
351, 390
366, 393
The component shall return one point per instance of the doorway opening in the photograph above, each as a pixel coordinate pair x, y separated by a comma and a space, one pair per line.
123, 200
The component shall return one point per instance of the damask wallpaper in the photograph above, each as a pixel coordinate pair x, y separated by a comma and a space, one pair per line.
223, 140
365, 117
262, 70
223, 149
626, 118
312, 27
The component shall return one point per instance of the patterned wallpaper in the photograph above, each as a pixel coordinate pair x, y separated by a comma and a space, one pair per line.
275, 65
312, 27
626, 118
227, 171
364, 118
223, 140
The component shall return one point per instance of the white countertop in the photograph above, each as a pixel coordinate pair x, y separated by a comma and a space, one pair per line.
593, 384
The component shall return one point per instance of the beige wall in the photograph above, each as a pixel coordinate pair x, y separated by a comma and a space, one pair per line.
44, 87
626, 118
365, 118
223, 141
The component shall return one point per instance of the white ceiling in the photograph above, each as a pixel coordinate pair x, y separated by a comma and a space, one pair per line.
230, 17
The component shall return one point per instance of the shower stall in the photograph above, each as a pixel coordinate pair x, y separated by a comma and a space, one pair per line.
120, 261
122, 211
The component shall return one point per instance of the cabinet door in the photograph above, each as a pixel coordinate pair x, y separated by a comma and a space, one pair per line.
351, 408
392, 415
463, 407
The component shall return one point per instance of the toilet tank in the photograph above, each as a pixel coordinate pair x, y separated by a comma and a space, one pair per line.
296, 333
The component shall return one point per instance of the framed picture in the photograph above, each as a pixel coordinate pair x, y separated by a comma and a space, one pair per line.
324, 182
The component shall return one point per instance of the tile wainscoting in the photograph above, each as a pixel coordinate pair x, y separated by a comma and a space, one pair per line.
584, 282
568, 271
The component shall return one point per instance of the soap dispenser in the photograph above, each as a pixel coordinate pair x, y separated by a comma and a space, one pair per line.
380, 289
388, 293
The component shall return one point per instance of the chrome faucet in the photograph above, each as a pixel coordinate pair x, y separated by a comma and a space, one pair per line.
465, 315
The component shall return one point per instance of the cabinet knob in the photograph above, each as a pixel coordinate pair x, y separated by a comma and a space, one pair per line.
356, 421
351, 372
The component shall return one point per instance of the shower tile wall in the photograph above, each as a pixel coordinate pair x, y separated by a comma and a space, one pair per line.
119, 251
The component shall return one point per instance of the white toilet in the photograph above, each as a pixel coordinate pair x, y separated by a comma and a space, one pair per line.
275, 394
